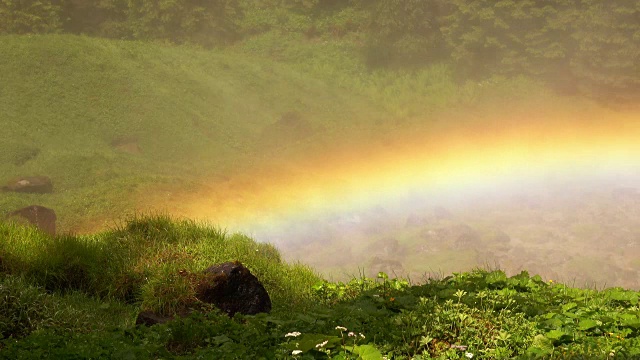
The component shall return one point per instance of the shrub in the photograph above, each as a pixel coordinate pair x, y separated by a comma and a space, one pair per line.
30, 17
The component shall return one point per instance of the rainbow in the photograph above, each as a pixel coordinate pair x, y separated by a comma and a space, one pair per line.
452, 161
494, 157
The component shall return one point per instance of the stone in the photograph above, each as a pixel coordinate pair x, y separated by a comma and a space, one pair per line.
233, 289
43, 218
30, 184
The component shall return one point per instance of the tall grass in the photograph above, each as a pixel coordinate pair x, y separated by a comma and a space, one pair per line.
142, 261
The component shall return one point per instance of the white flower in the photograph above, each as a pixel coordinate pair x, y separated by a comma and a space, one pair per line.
294, 334
351, 333
341, 328
468, 355
322, 344
362, 335
296, 352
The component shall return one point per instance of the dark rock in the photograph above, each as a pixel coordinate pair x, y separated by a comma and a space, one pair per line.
148, 318
30, 184
233, 289
43, 218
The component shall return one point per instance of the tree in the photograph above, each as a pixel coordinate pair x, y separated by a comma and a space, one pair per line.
404, 32
206, 22
606, 60
30, 17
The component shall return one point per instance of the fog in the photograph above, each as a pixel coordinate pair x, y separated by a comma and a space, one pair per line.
582, 232
566, 208
414, 138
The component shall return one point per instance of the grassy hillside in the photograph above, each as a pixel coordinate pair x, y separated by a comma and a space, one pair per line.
105, 119
124, 127
77, 297
118, 125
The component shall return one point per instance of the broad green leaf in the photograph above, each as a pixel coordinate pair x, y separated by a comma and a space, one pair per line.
543, 343
365, 352
621, 295
569, 306
556, 335
496, 277
553, 323
630, 320
586, 324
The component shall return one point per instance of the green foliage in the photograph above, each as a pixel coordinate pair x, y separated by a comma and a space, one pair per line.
404, 32
606, 57
587, 45
206, 23
25, 308
30, 17
21, 308
105, 18
151, 260
209, 23
484, 314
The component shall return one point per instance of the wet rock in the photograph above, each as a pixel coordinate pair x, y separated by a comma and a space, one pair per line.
30, 184
233, 289
43, 218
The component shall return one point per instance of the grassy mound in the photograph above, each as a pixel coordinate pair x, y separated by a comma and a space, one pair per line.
107, 120
142, 262
77, 297
117, 125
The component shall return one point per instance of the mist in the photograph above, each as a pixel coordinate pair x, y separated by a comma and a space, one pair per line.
357, 137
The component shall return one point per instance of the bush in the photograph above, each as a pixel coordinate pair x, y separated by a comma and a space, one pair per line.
30, 17
206, 23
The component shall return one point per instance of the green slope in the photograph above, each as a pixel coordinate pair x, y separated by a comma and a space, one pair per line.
69, 105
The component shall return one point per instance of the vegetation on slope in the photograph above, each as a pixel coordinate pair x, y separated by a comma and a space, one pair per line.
69, 103
110, 121
76, 297
118, 125
577, 46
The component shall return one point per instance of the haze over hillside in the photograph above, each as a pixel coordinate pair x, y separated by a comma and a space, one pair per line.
356, 136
